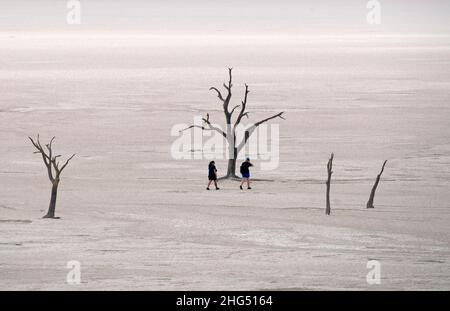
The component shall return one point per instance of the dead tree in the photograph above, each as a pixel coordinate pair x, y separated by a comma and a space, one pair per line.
53, 170
330, 172
230, 133
374, 188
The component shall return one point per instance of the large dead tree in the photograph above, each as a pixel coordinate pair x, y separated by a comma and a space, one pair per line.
230, 133
54, 170
328, 183
374, 188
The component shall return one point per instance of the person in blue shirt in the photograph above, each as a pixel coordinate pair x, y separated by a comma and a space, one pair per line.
245, 172
212, 175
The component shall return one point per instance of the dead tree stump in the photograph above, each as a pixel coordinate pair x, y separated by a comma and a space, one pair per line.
330, 172
374, 188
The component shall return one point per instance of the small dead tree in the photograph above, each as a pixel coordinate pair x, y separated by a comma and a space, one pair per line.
374, 188
230, 133
330, 172
54, 170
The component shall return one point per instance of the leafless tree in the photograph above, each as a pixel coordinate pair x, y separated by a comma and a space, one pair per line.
54, 170
374, 188
330, 172
230, 134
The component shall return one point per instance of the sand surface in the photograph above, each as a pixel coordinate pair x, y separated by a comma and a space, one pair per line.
137, 219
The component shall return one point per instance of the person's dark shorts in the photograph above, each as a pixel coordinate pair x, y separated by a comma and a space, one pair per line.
245, 175
212, 177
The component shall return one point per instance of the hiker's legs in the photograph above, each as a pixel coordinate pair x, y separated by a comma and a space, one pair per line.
215, 184
209, 183
248, 183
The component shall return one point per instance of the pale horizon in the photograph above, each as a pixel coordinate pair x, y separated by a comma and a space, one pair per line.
323, 17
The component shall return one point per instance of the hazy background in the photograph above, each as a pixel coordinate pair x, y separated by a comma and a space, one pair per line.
228, 17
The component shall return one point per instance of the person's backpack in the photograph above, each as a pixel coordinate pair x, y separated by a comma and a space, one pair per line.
242, 168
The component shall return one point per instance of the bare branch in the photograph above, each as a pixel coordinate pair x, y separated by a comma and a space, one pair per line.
218, 93
45, 157
330, 164
209, 128
243, 107
251, 129
49, 148
228, 98
197, 126
382, 168
65, 164
51, 141
234, 108
194, 126
32, 141
278, 115
212, 127
230, 78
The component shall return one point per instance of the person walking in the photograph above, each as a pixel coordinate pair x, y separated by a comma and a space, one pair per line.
245, 172
212, 175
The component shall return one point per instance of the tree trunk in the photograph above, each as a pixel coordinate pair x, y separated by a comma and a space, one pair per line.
328, 208
374, 188
330, 172
52, 205
231, 169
